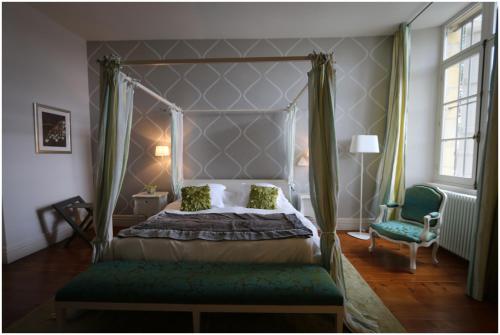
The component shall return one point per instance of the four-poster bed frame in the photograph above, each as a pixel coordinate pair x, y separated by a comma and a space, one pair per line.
174, 107
157, 62
309, 303
177, 113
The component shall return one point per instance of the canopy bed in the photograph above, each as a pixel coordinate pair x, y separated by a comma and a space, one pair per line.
295, 239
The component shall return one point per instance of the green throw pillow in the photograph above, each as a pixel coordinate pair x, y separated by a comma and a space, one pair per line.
263, 197
195, 198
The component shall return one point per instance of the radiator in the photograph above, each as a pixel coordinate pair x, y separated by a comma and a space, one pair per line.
458, 224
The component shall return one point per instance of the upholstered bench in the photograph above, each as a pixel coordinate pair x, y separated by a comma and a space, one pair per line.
202, 287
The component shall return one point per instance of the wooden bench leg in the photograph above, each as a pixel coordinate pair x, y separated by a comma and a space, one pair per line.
340, 322
60, 317
196, 321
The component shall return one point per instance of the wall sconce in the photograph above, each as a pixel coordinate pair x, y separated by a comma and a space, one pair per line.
162, 151
304, 159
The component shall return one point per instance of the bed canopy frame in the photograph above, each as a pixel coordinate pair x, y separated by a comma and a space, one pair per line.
177, 112
166, 62
117, 90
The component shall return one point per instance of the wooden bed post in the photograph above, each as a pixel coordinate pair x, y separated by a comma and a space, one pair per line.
60, 316
339, 321
196, 321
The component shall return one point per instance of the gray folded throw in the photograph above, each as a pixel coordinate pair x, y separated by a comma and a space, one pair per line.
219, 227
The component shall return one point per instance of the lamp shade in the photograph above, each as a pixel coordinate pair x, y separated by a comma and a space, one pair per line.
162, 151
304, 159
364, 144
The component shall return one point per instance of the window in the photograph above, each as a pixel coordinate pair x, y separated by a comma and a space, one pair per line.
460, 98
463, 34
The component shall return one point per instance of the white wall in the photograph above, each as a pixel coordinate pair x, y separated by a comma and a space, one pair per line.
42, 62
422, 104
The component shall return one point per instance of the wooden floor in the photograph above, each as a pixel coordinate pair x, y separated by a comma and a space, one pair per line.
432, 300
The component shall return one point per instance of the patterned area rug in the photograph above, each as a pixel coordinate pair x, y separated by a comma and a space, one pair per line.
42, 319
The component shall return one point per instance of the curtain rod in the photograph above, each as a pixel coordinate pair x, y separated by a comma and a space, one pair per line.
300, 94
419, 13
157, 62
153, 94
233, 111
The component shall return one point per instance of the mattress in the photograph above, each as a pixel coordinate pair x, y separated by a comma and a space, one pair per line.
288, 250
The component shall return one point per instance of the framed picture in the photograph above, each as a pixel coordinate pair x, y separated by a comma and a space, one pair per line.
52, 129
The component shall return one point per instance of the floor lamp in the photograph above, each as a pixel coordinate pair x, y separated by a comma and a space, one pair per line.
363, 144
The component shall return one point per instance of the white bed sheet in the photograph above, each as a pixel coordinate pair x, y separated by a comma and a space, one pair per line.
290, 250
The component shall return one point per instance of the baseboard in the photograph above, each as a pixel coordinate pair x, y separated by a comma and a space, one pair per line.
352, 223
12, 253
27, 247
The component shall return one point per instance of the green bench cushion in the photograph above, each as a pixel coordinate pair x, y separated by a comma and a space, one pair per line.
203, 283
401, 231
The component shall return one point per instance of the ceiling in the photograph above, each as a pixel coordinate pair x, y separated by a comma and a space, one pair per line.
160, 20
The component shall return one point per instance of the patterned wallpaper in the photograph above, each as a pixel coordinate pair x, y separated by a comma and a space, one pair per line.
248, 145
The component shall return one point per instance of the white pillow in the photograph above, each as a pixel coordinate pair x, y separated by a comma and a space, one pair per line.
232, 198
216, 194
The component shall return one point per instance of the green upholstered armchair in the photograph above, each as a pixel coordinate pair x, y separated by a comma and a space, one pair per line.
417, 223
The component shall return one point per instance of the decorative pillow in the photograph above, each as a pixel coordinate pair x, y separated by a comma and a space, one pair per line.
263, 197
238, 197
195, 198
216, 194
282, 200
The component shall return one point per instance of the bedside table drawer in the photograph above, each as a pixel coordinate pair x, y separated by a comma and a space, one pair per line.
146, 206
149, 204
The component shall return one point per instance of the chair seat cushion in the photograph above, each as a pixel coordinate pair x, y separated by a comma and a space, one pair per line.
203, 283
401, 231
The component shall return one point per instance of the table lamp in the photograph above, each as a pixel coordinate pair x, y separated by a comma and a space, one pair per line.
162, 151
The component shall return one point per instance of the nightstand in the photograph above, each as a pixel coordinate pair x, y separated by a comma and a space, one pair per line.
305, 205
149, 204
306, 208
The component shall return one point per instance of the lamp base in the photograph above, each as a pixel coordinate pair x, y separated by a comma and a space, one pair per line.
357, 234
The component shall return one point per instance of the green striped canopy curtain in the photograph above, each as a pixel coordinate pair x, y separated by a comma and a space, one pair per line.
177, 136
323, 177
289, 134
116, 106
391, 171
483, 267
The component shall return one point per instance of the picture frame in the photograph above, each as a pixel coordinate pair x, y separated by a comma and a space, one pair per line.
52, 130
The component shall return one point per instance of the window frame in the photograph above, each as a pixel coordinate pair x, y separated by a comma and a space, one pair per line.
476, 48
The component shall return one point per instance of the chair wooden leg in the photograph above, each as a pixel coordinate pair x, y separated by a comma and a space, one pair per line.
435, 248
372, 238
413, 257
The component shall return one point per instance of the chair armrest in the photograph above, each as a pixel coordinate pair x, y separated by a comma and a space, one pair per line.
392, 205
427, 223
435, 215
382, 214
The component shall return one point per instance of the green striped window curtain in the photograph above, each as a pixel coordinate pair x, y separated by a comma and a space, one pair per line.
391, 172
482, 282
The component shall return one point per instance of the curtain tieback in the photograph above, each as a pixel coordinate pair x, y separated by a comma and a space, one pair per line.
328, 233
